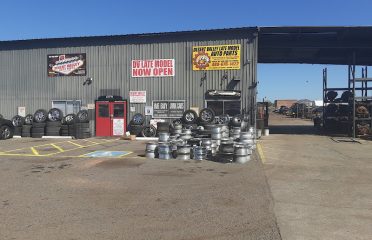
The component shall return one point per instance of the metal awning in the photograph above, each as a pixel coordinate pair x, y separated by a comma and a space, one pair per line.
315, 45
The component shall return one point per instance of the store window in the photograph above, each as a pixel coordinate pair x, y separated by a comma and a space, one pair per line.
230, 107
118, 110
67, 106
103, 110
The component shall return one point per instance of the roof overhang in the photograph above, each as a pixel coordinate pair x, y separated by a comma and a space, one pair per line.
315, 45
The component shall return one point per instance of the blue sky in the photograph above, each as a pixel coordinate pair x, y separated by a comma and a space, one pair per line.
25, 19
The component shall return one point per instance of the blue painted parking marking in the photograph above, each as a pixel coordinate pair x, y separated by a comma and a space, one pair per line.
106, 154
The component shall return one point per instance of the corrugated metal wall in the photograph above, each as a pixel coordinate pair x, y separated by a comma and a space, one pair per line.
24, 81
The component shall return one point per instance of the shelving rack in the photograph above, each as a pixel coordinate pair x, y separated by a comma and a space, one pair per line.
364, 97
360, 94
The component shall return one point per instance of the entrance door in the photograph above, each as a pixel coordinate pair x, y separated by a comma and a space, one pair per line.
110, 118
118, 118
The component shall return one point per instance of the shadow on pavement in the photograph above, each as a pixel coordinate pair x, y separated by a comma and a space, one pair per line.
294, 129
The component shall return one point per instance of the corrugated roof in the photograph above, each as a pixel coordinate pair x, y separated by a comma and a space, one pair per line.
316, 45
133, 36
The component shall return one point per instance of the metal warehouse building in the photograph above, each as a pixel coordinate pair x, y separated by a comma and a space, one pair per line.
190, 69
46, 73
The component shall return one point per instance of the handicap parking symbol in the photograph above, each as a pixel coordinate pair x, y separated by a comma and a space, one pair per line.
106, 154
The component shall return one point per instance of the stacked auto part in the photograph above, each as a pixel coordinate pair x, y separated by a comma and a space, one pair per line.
151, 149
38, 124
18, 122
81, 125
52, 123
351, 113
185, 139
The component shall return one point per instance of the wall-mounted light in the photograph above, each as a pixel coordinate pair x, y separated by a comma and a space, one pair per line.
88, 81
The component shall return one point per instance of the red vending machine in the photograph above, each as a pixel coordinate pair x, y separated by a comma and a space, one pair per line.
111, 116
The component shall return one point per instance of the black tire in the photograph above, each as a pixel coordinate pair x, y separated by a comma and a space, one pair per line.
18, 121
162, 127
55, 114
17, 131
82, 130
82, 116
189, 117
223, 119
52, 134
71, 130
69, 119
82, 125
37, 135
138, 119
192, 127
37, 130
29, 119
82, 136
26, 129
38, 125
6, 132
206, 115
54, 124
40, 116
135, 129
52, 129
148, 131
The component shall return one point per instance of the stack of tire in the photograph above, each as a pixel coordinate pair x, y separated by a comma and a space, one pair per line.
136, 124
68, 127
18, 122
81, 125
38, 124
26, 128
53, 123
163, 127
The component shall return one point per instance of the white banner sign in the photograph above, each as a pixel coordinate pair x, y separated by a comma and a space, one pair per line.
137, 96
153, 68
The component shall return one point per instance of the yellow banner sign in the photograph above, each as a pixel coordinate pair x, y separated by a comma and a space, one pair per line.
218, 57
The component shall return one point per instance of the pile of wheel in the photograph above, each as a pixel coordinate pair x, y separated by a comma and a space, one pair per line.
38, 123
26, 127
53, 124
68, 128
81, 126
18, 122
136, 125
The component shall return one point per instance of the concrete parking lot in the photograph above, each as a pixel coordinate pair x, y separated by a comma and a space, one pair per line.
322, 189
299, 185
57, 190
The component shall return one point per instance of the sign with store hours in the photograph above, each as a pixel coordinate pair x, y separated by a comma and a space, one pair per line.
153, 68
137, 96
217, 57
168, 108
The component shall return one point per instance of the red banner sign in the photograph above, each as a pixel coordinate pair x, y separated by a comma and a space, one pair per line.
153, 68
